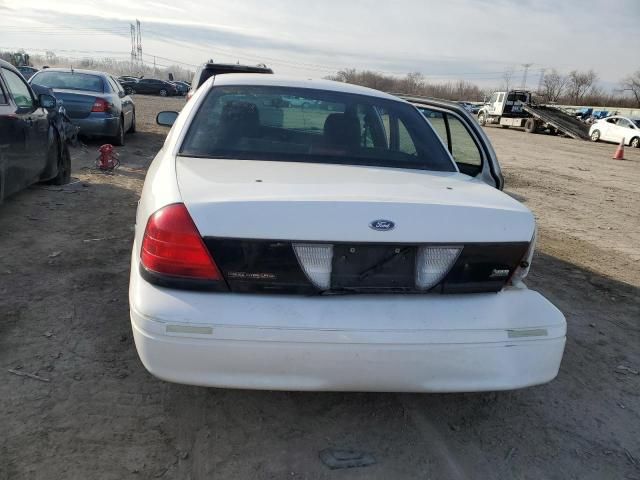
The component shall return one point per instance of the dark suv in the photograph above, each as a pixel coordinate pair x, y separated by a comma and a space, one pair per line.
208, 70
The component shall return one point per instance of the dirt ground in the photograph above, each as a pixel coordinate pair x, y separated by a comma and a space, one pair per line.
94, 412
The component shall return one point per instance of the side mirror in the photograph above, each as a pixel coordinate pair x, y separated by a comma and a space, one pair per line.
167, 118
47, 101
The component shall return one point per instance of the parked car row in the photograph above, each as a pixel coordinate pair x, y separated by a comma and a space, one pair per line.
251, 216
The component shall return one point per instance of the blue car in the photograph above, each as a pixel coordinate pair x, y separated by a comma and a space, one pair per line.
94, 101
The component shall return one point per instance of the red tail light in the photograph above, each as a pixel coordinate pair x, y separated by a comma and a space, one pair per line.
173, 246
101, 105
189, 94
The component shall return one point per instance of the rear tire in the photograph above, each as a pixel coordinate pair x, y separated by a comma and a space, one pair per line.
118, 140
163, 93
635, 142
132, 128
64, 164
482, 119
530, 126
595, 135
505, 126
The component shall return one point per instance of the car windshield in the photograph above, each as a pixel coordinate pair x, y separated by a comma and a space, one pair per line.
308, 125
69, 81
637, 122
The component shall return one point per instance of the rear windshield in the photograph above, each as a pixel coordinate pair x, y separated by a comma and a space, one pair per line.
305, 125
69, 81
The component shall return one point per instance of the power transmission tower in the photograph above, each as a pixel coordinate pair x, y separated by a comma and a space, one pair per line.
524, 74
139, 44
133, 47
542, 72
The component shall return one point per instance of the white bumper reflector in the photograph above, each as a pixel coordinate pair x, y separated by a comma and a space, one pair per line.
315, 260
433, 263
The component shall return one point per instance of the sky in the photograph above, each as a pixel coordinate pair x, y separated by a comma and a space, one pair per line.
473, 40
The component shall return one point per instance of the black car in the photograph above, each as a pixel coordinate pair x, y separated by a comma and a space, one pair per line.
182, 87
32, 149
152, 86
208, 70
128, 84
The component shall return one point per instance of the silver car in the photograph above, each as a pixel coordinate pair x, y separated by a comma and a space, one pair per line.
94, 101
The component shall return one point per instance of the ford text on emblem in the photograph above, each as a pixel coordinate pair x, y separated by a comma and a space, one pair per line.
382, 225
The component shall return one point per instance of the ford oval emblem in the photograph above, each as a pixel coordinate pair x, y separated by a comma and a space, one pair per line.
382, 225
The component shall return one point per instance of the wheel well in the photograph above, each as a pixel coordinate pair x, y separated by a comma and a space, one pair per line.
54, 134
51, 165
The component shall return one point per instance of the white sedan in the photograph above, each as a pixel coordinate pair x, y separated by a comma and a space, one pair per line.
616, 129
336, 247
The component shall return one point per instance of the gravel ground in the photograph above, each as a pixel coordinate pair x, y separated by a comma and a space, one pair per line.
94, 412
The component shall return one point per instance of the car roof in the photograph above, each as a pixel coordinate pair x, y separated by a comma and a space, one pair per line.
258, 79
237, 66
8, 66
75, 70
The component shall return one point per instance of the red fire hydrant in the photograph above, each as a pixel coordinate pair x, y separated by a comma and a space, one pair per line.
108, 159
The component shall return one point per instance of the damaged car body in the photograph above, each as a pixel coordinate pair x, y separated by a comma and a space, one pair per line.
35, 134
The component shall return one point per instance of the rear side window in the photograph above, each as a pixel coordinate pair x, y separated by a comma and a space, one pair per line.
623, 122
114, 85
18, 89
306, 125
3, 97
69, 81
458, 139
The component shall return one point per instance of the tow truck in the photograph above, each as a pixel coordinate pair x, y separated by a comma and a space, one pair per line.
515, 108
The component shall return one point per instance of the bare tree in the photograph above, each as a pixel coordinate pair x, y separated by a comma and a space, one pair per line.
580, 84
412, 84
632, 84
553, 85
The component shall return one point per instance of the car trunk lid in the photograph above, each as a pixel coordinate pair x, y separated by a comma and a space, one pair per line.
77, 104
339, 203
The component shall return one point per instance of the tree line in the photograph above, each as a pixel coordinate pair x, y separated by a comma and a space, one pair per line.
575, 88
581, 88
113, 66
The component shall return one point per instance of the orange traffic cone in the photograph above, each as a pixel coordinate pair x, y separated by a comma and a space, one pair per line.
619, 155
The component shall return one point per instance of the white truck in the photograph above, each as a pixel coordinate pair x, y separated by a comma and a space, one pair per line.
515, 108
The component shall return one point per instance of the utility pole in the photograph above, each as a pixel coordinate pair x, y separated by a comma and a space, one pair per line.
155, 70
133, 47
524, 74
139, 44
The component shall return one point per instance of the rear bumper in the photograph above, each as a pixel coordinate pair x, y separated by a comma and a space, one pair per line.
430, 343
99, 126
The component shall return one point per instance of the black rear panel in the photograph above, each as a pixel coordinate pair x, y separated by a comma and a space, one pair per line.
271, 266
259, 266
373, 267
